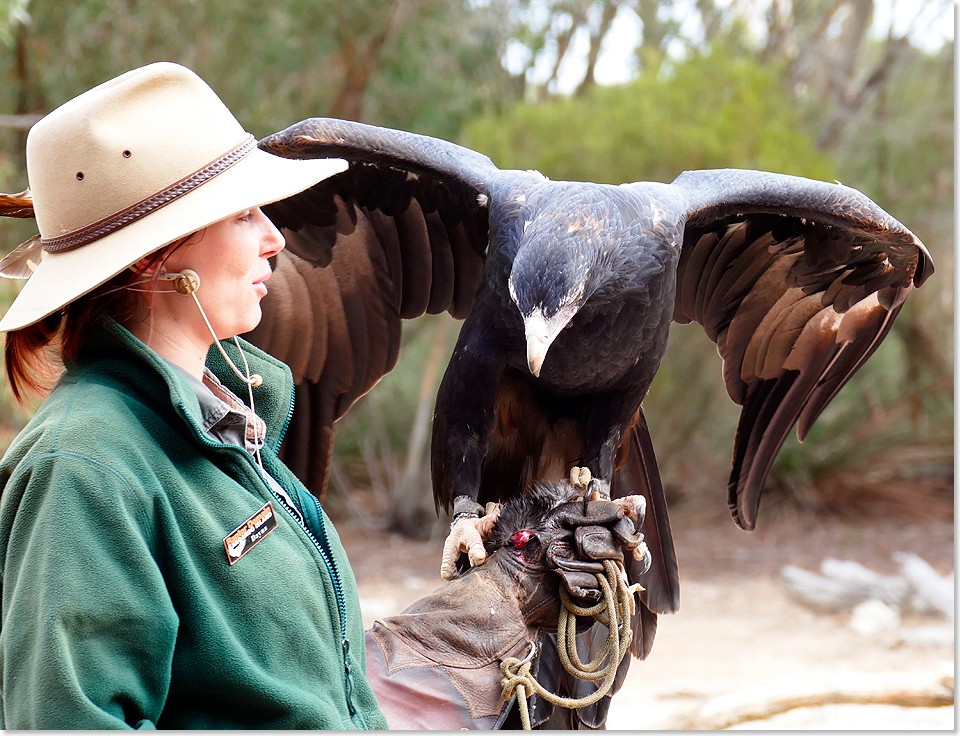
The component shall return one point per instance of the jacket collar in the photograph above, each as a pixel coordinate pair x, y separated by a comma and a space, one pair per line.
273, 398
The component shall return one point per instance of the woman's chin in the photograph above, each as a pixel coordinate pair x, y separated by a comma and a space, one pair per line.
243, 326
253, 321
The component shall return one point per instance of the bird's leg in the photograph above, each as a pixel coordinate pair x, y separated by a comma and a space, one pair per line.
468, 532
603, 429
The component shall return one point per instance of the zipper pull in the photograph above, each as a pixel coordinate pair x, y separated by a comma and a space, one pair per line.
345, 644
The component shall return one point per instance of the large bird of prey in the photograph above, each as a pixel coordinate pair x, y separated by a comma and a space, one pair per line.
568, 290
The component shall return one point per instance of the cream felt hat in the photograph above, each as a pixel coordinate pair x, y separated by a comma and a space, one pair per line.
128, 167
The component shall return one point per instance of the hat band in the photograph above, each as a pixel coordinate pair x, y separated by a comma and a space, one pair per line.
107, 225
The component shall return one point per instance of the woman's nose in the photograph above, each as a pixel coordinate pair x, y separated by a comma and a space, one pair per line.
272, 242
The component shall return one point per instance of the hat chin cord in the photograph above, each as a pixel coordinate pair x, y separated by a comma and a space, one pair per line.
187, 282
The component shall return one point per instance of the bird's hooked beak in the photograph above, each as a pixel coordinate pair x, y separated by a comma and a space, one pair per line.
540, 333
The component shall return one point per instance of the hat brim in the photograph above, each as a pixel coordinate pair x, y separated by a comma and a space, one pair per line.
257, 179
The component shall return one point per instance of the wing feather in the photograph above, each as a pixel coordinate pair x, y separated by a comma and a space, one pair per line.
441, 264
467, 269
740, 275
401, 233
797, 282
417, 261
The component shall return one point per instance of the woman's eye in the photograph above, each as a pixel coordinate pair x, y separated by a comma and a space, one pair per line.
245, 216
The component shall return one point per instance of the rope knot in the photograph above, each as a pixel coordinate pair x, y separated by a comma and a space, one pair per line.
516, 676
613, 611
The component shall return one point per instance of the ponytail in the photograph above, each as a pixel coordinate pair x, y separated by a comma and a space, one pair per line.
34, 356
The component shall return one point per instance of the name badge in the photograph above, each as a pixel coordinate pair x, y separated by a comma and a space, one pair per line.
246, 536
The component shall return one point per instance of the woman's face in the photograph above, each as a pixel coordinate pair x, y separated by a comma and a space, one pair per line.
230, 257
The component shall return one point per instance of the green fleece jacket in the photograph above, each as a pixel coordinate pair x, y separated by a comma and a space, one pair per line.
133, 594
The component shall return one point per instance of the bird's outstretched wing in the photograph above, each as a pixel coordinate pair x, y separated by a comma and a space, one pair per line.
797, 282
401, 233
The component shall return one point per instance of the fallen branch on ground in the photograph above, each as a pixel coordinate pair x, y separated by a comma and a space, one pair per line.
779, 697
844, 584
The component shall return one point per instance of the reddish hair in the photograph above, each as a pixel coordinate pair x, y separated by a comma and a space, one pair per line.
34, 355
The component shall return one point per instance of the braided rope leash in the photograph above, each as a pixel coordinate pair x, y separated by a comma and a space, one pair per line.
614, 612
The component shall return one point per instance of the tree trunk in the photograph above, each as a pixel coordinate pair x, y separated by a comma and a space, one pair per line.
412, 510
596, 41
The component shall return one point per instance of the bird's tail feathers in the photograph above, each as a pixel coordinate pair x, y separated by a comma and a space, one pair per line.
637, 473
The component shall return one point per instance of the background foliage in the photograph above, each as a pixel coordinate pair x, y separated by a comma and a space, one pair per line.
831, 89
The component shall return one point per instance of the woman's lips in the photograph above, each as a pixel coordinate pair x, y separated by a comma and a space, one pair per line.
260, 286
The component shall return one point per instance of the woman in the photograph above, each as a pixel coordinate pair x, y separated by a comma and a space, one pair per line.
160, 566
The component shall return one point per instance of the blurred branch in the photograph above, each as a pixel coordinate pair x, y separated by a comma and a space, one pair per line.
849, 106
421, 423
779, 26
28, 98
924, 356
844, 67
852, 98
809, 47
411, 508
19, 122
901, 689
563, 45
711, 16
360, 61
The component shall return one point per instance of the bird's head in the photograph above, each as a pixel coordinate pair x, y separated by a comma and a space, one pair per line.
555, 271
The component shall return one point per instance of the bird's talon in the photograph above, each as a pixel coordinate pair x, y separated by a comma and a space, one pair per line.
633, 506
485, 523
634, 591
597, 490
580, 476
641, 553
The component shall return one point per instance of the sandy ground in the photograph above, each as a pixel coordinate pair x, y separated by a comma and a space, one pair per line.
738, 639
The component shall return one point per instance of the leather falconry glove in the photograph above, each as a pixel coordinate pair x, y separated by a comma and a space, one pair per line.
437, 664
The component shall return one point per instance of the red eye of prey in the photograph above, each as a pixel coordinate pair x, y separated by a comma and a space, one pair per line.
521, 538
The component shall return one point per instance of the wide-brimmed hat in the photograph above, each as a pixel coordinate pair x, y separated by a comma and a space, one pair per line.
130, 166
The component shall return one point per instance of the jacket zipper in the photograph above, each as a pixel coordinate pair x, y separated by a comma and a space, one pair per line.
334, 572
286, 424
341, 606
337, 590
331, 567
321, 548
